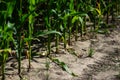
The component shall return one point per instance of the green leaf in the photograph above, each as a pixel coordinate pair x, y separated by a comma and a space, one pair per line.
10, 6
77, 18
61, 27
74, 19
99, 11
24, 17
80, 19
28, 39
33, 2
10, 27
91, 52
5, 50
63, 66
82, 14
54, 11
90, 8
47, 33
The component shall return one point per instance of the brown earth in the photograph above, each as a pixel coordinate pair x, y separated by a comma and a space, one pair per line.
103, 65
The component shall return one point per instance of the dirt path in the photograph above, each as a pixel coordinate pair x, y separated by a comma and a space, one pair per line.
104, 65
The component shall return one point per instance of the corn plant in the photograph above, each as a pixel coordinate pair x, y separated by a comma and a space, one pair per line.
78, 20
48, 24
5, 50
65, 27
70, 26
61, 18
6, 31
19, 35
64, 17
30, 26
19, 19
57, 24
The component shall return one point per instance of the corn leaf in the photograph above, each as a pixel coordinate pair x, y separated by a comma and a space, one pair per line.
5, 50
10, 6
63, 66
47, 33
75, 18
99, 11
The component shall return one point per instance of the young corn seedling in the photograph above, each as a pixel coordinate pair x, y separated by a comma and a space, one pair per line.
91, 52
62, 65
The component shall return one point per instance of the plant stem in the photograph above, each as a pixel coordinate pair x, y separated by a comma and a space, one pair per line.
76, 31
69, 40
3, 67
70, 28
57, 43
85, 28
64, 32
19, 42
64, 35
94, 24
49, 47
29, 46
19, 53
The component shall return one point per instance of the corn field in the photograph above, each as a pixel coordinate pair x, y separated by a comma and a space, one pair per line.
24, 23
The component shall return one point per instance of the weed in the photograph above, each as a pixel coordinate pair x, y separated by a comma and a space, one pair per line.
91, 52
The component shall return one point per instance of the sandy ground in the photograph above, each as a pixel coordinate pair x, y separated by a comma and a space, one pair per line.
103, 65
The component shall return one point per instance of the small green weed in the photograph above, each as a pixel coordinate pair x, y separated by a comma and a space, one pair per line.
91, 52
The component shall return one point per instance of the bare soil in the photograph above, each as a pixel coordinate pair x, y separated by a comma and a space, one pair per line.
103, 65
